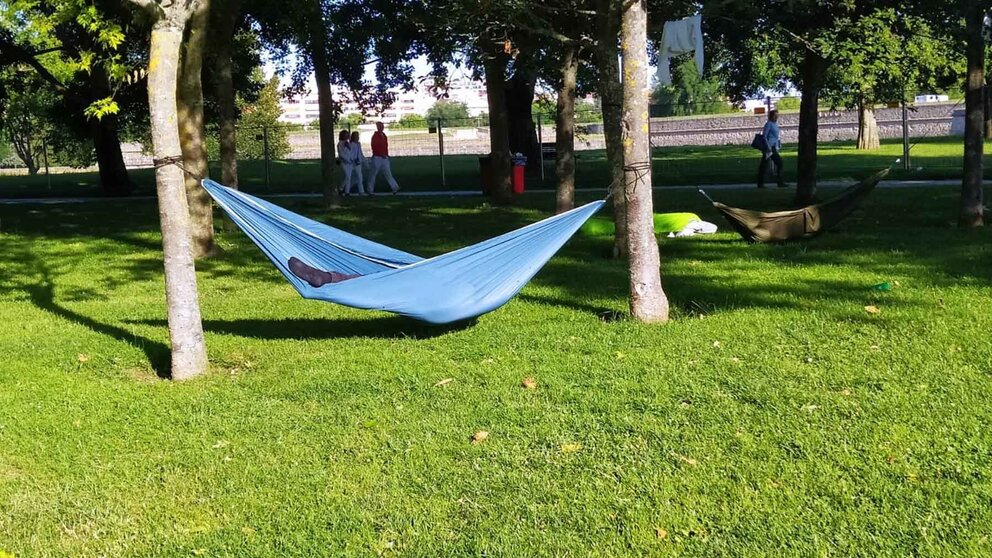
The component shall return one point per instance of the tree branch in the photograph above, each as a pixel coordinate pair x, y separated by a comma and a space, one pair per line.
11, 53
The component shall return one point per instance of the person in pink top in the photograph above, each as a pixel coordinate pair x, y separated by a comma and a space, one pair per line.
380, 160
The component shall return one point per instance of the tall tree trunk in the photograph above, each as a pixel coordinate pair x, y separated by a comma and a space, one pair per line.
114, 179
520, 111
499, 129
565, 130
868, 137
812, 72
988, 106
325, 103
648, 302
606, 55
191, 133
189, 353
225, 18
972, 194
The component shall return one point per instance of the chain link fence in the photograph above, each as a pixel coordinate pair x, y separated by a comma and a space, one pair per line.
690, 146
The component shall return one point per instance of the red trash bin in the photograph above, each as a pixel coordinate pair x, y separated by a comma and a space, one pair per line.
519, 165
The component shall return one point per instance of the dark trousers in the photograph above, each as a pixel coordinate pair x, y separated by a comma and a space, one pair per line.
763, 168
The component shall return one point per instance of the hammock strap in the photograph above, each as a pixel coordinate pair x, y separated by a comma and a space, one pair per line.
176, 160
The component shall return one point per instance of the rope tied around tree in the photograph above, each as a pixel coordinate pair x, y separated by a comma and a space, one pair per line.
176, 160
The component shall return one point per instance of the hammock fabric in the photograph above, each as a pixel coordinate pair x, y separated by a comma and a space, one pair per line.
448, 288
780, 226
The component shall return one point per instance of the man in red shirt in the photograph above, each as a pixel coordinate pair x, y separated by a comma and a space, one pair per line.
380, 160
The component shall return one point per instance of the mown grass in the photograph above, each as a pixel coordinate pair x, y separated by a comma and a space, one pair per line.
773, 417
933, 158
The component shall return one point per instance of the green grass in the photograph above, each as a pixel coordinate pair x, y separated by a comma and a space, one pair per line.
773, 417
932, 159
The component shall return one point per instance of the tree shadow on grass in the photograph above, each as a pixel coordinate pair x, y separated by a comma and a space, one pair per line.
42, 295
386, 327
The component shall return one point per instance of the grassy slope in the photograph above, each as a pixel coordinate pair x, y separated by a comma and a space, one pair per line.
773, 417
934, 158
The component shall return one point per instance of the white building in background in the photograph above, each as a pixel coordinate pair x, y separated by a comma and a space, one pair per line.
920, 99
304, 109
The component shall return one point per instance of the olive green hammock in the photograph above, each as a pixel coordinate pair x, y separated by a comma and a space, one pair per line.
805, 222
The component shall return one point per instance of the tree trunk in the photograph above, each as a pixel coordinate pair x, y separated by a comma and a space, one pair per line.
114, 179
520, 112
972, 195
606, 56
225, 23
499, 130
189, 354
191, 133
868, 137
565, 131
812, 72
23, 146
648, 302
988, 107
325, 103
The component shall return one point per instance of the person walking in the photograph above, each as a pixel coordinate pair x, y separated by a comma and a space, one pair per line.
360, 162
346, 157
380, 160
773, 145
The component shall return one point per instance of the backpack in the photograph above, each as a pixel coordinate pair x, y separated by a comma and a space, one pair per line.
759, 143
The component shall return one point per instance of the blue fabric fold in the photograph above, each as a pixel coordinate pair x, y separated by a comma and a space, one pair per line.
459, 285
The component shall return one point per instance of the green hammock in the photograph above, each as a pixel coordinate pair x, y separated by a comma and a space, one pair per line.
805, 222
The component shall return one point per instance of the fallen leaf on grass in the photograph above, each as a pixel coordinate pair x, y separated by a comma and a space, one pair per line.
684, 459
716, 344
570, 448
220, 444
661, 533
479, 436
82, 358
444, 382
872, 309
845, 392
529, 383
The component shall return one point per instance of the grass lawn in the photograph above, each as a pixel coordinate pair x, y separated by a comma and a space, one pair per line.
773, 417
932, 159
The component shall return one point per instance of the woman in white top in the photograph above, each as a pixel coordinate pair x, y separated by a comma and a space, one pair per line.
346, 157
358, 158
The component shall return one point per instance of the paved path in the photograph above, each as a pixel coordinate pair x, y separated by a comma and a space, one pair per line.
460, 193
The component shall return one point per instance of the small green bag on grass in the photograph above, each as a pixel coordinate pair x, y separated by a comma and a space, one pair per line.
664, 223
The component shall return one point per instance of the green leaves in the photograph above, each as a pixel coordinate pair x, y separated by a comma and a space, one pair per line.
100, 108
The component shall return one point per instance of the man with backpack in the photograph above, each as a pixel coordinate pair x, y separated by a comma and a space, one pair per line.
770, 148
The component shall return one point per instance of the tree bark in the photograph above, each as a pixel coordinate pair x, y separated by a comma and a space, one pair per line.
988, 106
114, 179
972, 195
499, 129
812, 73
648, 302
565, 130
520, 112
189, 354
191, 133
225, 23
868, 137
325, 102
24, 147
606, 55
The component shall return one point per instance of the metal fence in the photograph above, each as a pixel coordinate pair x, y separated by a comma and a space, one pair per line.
689, 148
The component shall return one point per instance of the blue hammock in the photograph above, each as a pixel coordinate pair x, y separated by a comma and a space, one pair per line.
455, 286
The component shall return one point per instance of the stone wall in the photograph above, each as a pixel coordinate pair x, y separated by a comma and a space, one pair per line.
736, 129
924, 121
